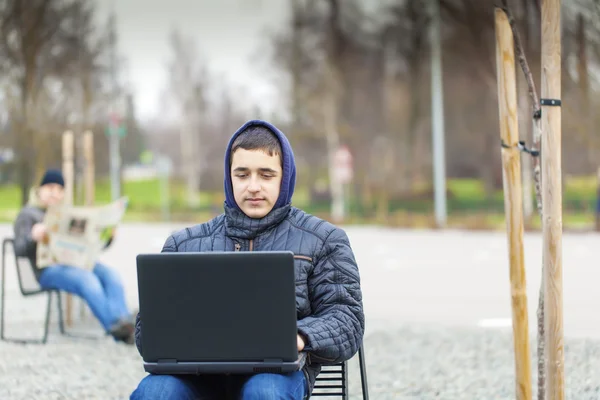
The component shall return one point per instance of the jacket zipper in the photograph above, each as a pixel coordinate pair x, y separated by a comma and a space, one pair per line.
238, 247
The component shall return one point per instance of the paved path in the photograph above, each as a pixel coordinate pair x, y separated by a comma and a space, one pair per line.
437, 302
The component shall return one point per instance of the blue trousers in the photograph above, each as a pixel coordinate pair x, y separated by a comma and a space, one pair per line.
101, 288
291, 386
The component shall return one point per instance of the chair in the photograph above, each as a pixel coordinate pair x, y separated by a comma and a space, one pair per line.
333, 380
29, 286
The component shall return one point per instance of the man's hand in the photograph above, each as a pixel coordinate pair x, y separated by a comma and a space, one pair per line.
301, 343
38, 232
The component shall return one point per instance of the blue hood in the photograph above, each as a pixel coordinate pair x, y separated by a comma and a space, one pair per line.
288, 180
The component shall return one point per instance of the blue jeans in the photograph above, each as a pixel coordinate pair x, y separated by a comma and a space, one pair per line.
101, 288
291, 386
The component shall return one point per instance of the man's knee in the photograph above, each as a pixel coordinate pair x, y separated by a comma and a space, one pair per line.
88, 285
162, 387
273, 387
107, 274
71, 279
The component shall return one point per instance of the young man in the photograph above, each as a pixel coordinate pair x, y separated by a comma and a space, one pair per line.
260, 176
101, 288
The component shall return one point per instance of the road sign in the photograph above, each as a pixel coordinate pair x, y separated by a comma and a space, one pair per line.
116, 126
343, 165
121, 131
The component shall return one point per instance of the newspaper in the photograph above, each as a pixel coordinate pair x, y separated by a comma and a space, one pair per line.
76, 235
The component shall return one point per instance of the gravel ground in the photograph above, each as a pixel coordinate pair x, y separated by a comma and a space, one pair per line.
410, 279
407, 363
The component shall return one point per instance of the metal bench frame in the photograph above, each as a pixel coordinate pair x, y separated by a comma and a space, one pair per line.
27, 293
333, 380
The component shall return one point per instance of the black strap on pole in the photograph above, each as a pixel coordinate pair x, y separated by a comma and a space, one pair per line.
521, 147
546, 102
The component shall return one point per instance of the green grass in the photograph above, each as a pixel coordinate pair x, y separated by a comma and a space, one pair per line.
466, 188
146, 194
10, 196
467, 204
144, 200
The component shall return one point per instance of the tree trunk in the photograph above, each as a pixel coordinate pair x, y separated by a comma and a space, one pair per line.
333, 87
25, 138
584, 90
330, 117
189, 156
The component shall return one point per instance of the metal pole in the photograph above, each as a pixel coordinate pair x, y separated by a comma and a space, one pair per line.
437, 116
114, 139
164, 168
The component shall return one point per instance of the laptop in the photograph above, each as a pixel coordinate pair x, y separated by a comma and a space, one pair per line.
218, 313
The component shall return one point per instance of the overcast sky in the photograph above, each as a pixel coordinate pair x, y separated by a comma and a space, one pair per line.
227, 32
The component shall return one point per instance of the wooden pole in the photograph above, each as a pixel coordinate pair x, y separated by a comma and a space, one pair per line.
89, 170
552, 198
513, 200
88, 183
68, 170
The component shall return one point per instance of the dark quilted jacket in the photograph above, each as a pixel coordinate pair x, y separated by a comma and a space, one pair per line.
328, 294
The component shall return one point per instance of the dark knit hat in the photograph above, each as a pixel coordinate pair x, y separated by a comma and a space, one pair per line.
53, 176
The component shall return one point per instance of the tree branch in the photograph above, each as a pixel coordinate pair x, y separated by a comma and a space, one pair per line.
523, 62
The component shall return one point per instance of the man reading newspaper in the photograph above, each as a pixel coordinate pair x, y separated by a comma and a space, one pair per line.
62, 244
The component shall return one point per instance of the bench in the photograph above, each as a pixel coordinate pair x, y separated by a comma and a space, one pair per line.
333, 379
29, 286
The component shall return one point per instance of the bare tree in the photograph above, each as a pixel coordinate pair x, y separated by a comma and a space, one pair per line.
187, 86
355, 77
38, 41
405, 38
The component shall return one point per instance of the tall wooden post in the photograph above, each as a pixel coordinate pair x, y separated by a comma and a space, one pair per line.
513, 200
552, 198
68, 171
89, 170
88, 182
